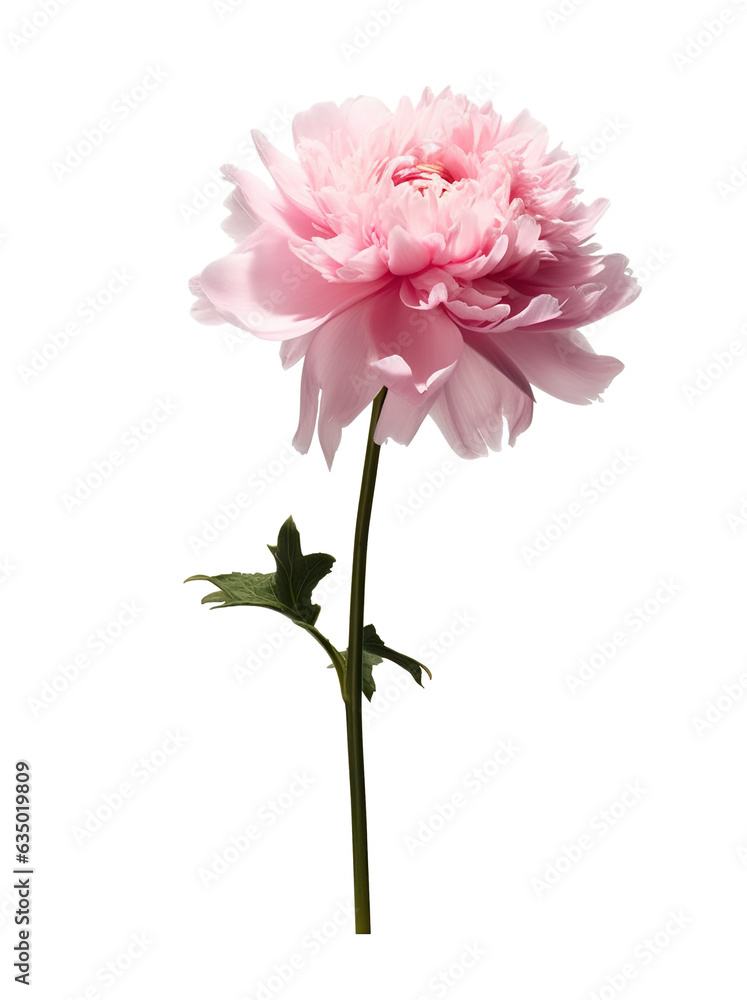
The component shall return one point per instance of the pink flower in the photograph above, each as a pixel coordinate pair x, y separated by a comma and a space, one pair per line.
437, 250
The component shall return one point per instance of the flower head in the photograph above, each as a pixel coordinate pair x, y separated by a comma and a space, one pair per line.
437, 250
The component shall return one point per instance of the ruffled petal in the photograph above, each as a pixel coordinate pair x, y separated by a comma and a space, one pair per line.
287, 174
265, 288
407, 255
400, 418
337, 364
413, 350
471, 408
252, 202
562, 363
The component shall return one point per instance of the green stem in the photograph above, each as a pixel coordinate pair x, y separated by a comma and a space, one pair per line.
338, 661
353, 680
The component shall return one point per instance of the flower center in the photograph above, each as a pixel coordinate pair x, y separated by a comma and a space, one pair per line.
423, 175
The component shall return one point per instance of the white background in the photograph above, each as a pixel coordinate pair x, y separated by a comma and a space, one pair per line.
649, 576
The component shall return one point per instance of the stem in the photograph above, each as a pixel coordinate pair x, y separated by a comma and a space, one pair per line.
353, 679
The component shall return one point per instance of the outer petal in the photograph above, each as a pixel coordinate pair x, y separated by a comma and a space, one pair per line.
251, 203
337, 363
350, 360
265, 288
473, 404
362, 114
400, 418
203, 309
353, 119
594, 287
413, 350
561, 362
287, 174
487, 346
318, 122
291, 351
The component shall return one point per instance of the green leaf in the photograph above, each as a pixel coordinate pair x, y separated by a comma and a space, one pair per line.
297, 575
375, 644
369, 662
374, 652
288, 590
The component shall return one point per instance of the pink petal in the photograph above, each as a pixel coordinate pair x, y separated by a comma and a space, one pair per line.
337, 363
487, 345
561, 362
318, 123
481, 265
584, 301
287, 174
413, 350
473, 404
353, 119
265, 288
538, 310
407, 254
485, 314
203, 309
291, 351
365, 265
400, 418
428, 289
363, 114
252, 203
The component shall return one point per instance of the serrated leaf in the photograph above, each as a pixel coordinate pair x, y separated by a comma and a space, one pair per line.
297, 575
257, 590
374, 652
373, 643
288, 590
